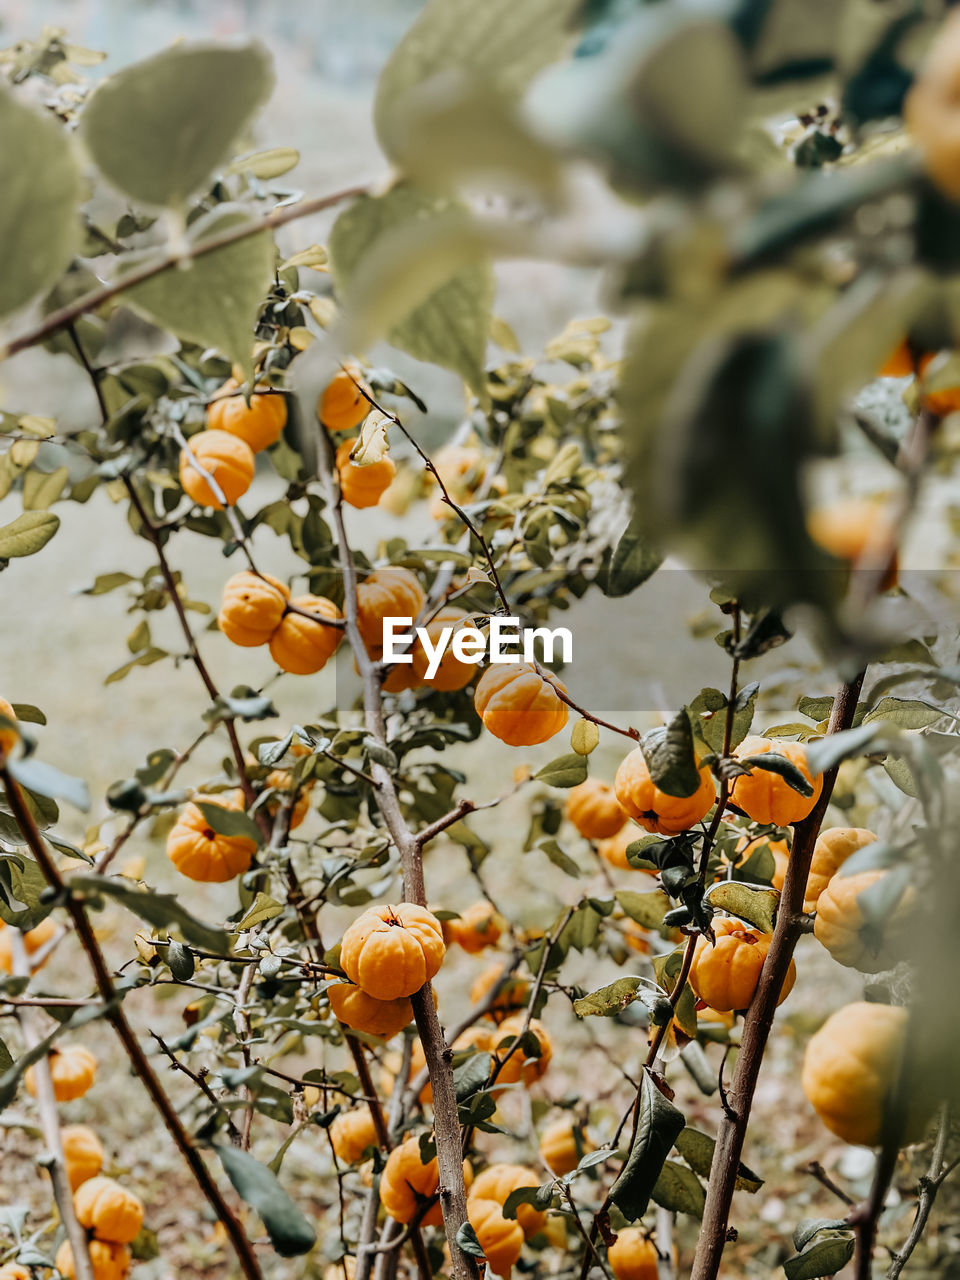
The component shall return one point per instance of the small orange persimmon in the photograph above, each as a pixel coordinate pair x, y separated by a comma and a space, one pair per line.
362, 1012
108, 1210
391, 951
476, 928
8, 736
351, 1133
406, 1182
511, 992
363, 486
72, 1071
516, 1065
518, 705
834, 846
767, 797
725, 973
251, 608
82, 1153
594, 810
199, 852
654, 809
342, 405
302, 646
451, 674
563, 1144
109, 1261
633, 1256
497, 1181
852, 528
33, 941
228, 459
500, 1238
257, 424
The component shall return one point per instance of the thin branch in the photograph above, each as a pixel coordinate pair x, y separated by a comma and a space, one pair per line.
759, 1018
453, 1196
447, 497
816, 1170
864, 1219
930, 1186
199, 1079
50, 1124
169, 581
65, 316
138, 1060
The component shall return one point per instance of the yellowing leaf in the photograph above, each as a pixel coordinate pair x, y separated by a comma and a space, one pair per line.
372, 444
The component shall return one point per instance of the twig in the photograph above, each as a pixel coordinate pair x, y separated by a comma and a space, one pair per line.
864, 1218
170, 583
49, 1123
816, 1170
447, 497
453, 1196
200, 1081
138, 1060
759, 1018
930, 1186
65, 316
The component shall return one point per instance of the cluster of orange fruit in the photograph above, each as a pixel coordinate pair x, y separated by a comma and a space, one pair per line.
241, 425
846, 1091
387, 954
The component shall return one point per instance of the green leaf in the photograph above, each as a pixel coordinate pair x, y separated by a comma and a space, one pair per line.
158, 129
180, 960
289, 1230
40, 186
608, 1001
500, 45
409, 266
558, 857
105, 582
265, 165
467, 1241
45, 780
824, 1257
670, 757
230, 822
781, 766
565, 771
745, 901
659, 1124
525, 1195
162, 910
262, 908
472, 1075
647, 909
634, 560
42, 489
6, 1058
22, 881
678, 1189
906, 713
807, 1228
830, 751
28, 713
697, 1149
27, 534
214, 301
